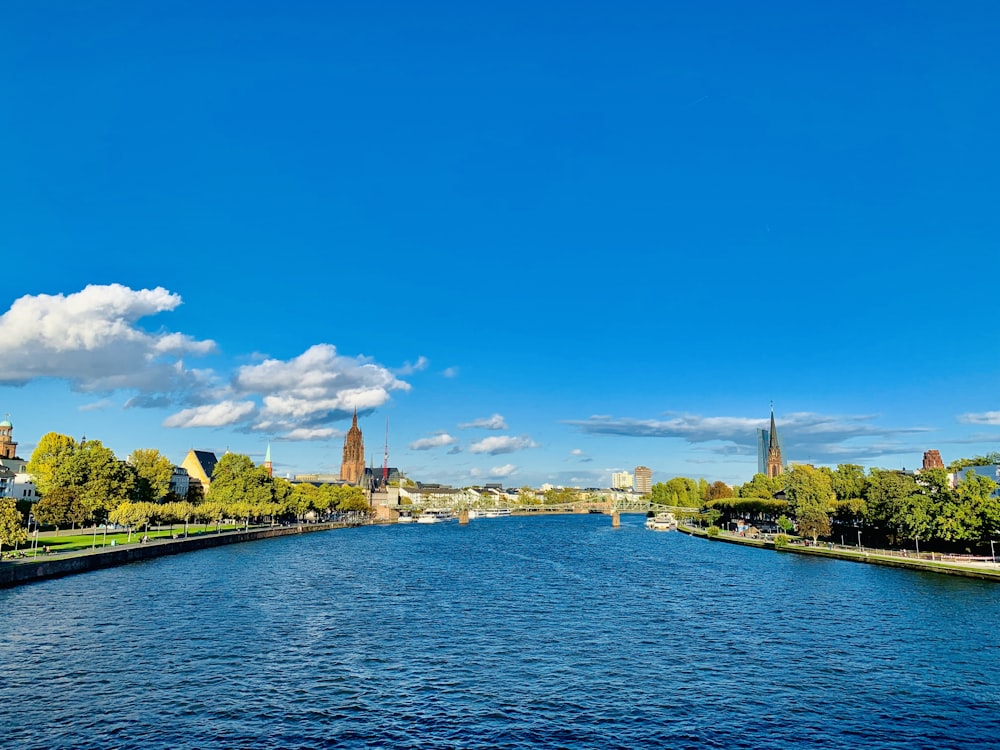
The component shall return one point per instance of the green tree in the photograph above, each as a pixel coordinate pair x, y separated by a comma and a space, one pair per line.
849, 481
237, 479
761, 486
888, 496
106, 481
810, 498
153, 474
12, 531
49, 462
61, 506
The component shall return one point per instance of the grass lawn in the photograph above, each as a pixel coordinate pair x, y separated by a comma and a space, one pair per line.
78, 542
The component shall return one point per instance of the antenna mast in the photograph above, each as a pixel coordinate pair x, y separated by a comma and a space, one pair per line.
385, 463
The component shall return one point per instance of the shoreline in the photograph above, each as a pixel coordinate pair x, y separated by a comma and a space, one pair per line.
982, 571
29, 570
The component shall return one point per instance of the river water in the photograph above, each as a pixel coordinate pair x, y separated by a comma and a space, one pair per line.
558, 632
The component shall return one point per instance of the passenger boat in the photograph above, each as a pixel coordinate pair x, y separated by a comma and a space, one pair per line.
435, 516
497, 513
661, 522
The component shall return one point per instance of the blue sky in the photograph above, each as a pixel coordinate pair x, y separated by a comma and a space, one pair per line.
545, 240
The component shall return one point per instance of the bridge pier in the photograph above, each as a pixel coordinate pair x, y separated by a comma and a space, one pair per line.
616, 520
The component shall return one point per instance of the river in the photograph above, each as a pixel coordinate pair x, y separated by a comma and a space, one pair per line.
555, 632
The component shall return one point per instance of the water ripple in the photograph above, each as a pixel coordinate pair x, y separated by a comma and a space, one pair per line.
508, 633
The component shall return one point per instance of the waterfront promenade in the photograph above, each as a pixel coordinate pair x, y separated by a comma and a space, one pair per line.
961, 565
40, 567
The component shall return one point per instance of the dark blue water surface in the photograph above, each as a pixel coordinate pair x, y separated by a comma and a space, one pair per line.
554, 632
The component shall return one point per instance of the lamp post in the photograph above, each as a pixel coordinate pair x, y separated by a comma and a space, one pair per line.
859, 538
993, 552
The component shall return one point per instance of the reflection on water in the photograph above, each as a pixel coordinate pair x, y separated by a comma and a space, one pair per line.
506, 633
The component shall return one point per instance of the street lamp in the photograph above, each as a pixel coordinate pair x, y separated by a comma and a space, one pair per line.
859, 538
993, 552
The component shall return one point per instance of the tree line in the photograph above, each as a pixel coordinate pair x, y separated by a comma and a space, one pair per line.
84, 482
889, 507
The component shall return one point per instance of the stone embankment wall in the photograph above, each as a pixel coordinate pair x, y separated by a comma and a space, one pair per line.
40, 568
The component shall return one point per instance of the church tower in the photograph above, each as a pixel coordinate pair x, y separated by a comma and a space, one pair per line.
268, 466
353, 466
775, 466
8, 448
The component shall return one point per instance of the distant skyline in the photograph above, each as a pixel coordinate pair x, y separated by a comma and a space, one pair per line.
546, 241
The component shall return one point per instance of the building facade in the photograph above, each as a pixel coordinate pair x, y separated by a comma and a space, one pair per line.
643, 480
622, 480
352, 467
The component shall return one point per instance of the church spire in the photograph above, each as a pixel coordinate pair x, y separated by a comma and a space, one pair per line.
775, 464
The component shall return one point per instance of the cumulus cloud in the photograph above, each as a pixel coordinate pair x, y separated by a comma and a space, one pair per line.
499, 444
450, 372
212, 415
437, 441
316, 433
496, 422
91, 339
314, 388
804, 435
985, 417
497, 472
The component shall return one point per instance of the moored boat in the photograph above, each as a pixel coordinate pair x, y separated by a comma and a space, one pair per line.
661, 522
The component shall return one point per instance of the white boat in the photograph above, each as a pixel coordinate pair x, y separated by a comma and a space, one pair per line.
435, 516
497, 513
405, 518
661, 522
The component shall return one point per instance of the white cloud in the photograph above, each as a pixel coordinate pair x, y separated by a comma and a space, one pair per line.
985, 417
90, 338
503, 471
496, 422
450, 372
409, 369
576, 452
804, 435
212, 415
303, 434
499, 444
317, 386
437, 441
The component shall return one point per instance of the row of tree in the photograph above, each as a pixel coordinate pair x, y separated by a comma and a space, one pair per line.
893, 507
84, 482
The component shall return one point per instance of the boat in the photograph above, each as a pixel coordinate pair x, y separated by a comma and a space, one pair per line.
497, 513
435, 516
405, 517
661, 522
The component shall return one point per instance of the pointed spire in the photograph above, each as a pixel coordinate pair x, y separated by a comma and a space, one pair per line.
267, 453
773, 439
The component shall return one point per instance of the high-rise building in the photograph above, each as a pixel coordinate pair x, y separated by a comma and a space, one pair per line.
762, 443
352, 468
643, 480
775, 466
622, 480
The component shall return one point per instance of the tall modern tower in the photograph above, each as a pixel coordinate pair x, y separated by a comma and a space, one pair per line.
352, 468
775, 467
643, 480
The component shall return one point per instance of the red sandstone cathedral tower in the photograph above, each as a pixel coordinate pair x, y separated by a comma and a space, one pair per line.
352, 468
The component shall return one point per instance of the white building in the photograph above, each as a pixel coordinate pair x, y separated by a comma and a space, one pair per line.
622, 480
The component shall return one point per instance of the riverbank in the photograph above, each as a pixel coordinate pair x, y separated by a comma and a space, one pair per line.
31, 569
972, 569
